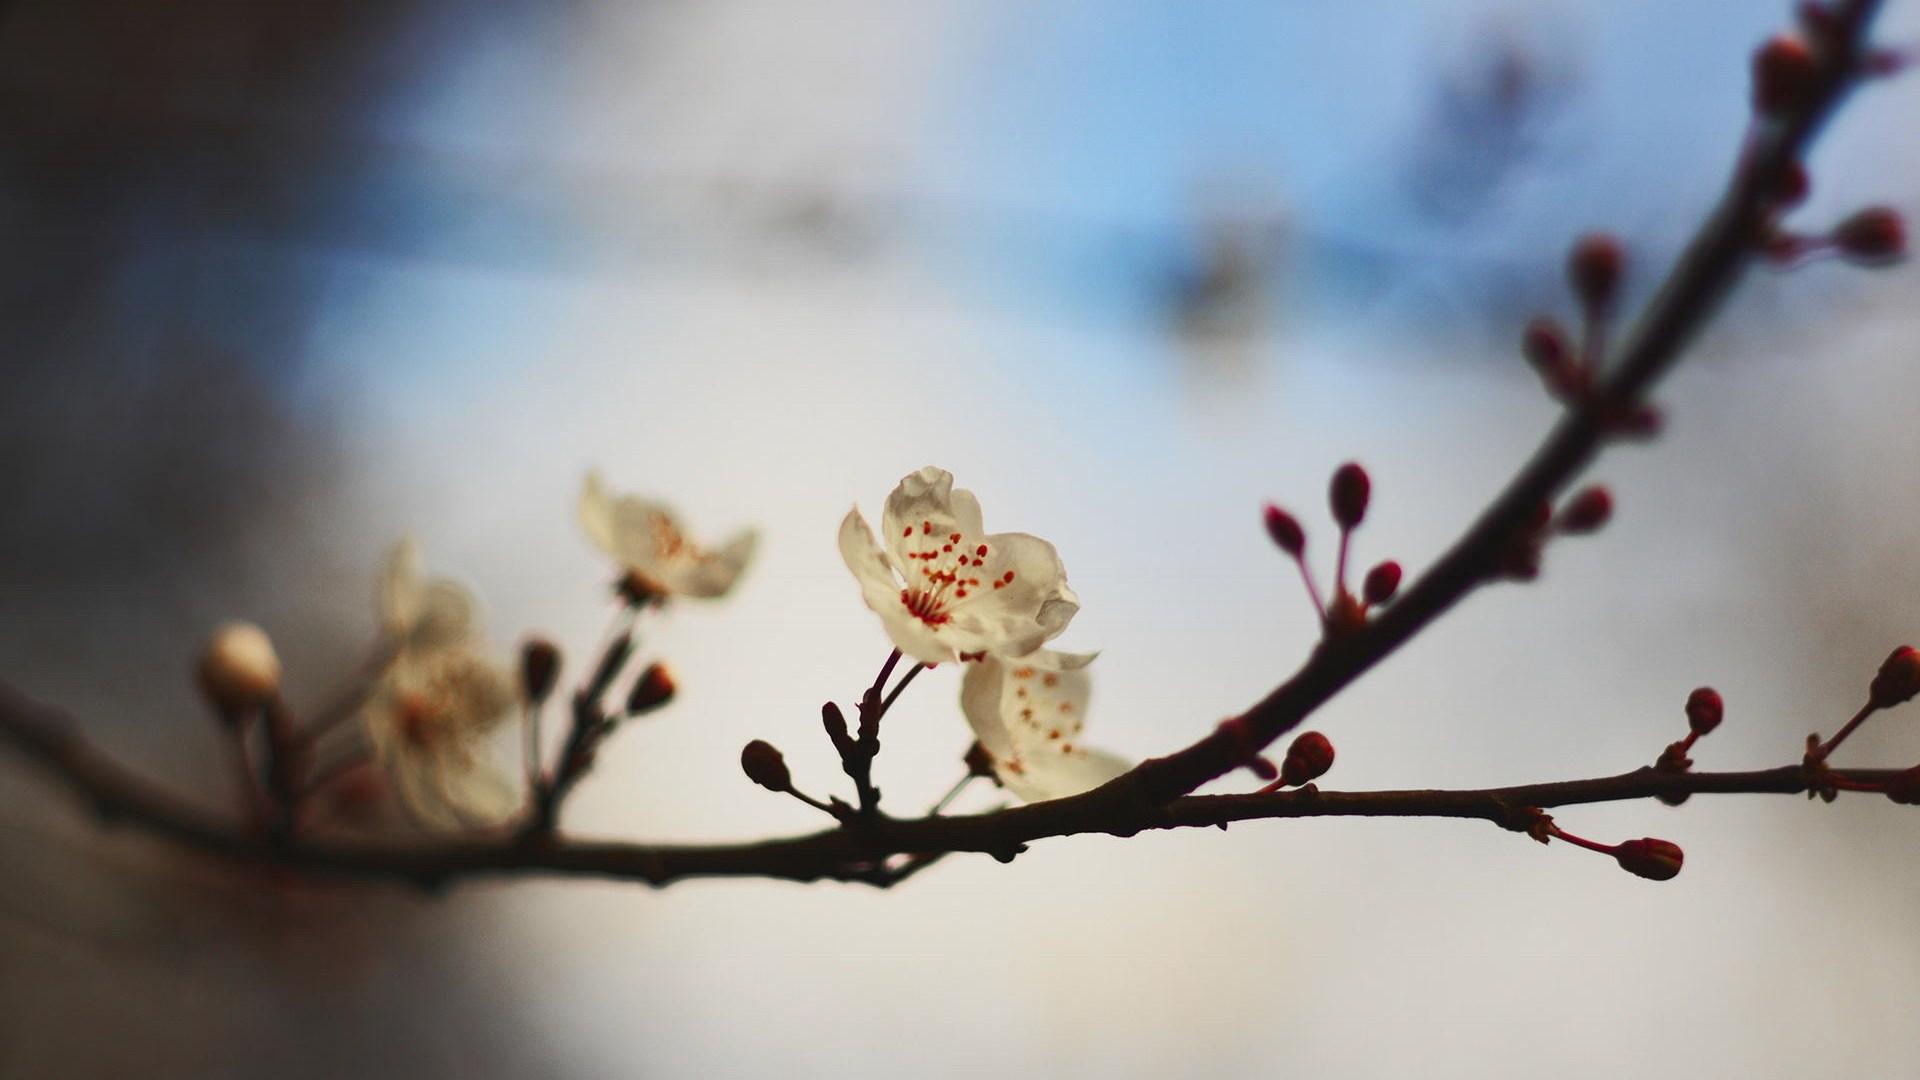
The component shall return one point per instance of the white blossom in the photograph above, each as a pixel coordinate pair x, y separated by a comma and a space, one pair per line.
946, 589
1028, 715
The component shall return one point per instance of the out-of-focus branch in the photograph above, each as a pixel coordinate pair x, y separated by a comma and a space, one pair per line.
882, 852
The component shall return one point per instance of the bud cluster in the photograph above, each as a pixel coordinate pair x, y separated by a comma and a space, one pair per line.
1349, 494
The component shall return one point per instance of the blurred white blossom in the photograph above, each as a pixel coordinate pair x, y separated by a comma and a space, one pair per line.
440, 698
646, 539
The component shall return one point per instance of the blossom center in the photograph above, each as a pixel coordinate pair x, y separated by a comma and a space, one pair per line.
947, 563
419, 719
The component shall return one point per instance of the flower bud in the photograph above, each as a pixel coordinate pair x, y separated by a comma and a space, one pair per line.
1898, 679
1782, 73
765, 766
651, 690
238, 668
1704, 710
1382, 582
1588, 511
1904, 788
1545, 345
1655, 860
1874, 235
1594, 268
1816, 18
1286, 531
1263, 767
1348, 495
539, 668
1310, 756
835, 722
1549, 353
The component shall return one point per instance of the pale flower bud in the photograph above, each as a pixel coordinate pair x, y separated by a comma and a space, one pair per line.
238, 668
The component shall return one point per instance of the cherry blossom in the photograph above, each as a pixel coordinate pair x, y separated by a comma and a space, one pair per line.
439, 700
646, 539
943, 587
1028, 715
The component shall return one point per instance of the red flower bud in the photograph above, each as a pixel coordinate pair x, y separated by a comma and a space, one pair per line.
1874, 235
1382, 582
1310, 756
1898, 679
1588, 511
1286, 531
1815, 18
651, 690
1544, 344
1782, 74
1904, 788
1348, 495
1705, 710
765, 766
1655, 860
1263, 767
539, 667
1594, 269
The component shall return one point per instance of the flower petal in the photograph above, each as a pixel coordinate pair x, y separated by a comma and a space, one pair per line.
448, 616
1043, 712
397, 593
1055, 660
880, 587
919, 498
872, 567
1022, 603
1058, 775
980, 692
710, 574
596, 511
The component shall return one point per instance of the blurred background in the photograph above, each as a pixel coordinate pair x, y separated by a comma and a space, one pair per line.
283, 282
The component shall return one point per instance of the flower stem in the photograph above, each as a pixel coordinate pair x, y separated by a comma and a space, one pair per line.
253, 797
1313, 591
952, 794
589, 723
899, 686
857, 757
1820, 753
1580, 841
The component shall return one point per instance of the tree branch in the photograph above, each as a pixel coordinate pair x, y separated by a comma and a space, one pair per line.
1709, 269
882, 853
1156, 795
